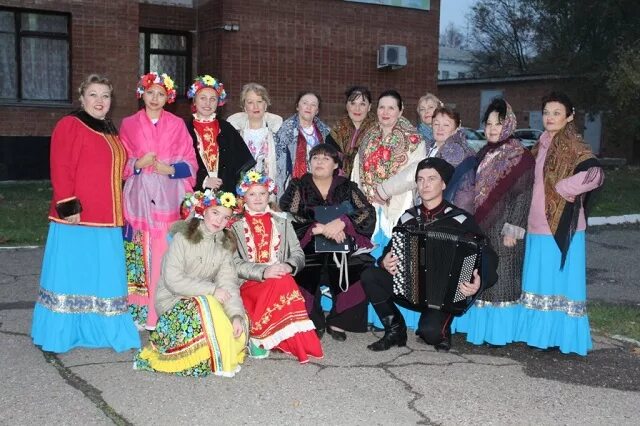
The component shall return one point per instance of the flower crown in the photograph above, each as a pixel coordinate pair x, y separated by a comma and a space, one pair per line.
148, 80
254, 177
198, 202
202, 81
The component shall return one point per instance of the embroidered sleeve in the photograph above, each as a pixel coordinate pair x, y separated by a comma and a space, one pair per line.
363, 217
291, 202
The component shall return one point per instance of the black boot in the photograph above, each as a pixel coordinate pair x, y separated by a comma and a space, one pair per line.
395, 329
445, 345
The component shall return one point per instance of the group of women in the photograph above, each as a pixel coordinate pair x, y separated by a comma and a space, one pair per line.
261, 197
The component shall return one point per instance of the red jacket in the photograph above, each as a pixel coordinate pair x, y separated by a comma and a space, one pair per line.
87, 161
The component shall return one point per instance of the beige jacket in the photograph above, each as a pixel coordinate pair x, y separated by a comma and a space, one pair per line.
197, 267
240, 121
289, 251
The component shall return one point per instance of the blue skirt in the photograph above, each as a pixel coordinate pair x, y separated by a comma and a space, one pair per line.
553, 309
82, 300
491, 323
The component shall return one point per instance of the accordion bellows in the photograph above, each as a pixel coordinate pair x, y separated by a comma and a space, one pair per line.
433, 263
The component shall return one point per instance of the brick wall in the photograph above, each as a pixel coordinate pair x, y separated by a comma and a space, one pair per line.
286, 45
104, 39
325, 46
523, 97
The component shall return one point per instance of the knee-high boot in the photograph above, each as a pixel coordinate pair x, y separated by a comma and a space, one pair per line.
395, 329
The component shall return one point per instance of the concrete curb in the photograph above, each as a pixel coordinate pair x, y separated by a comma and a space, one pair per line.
614, 220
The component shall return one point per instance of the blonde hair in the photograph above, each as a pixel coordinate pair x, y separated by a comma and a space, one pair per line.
94, 79
259, 90
429, 97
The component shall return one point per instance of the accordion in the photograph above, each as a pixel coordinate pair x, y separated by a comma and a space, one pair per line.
433, 263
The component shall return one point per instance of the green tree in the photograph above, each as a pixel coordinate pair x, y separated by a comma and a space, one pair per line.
502, 36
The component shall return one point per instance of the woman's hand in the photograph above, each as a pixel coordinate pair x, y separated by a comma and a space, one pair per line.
237, 327
163, 168
390, 263
334, 230
222, 295
471, 288
212, 182
277, 270
509, 241
74, 218
146, 160
317, 229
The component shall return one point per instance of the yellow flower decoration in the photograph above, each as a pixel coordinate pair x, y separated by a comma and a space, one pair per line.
228, 200
253, 176
168, 82
208, 80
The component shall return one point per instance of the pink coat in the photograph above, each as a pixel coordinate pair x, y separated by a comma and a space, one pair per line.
151, 200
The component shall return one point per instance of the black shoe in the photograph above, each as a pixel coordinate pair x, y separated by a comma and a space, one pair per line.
320, 332
443, 346
340, 336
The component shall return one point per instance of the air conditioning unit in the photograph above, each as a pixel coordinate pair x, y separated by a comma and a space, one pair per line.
392, 56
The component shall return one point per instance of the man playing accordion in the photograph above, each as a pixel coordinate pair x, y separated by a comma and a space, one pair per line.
434, 327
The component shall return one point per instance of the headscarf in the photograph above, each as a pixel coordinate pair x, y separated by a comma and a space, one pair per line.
501, 165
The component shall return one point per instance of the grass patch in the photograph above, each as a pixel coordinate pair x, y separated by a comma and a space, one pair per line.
613, 319
619, 194
24, 207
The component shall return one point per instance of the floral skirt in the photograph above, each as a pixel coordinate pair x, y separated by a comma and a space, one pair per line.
143, 253
194, 338
279, 317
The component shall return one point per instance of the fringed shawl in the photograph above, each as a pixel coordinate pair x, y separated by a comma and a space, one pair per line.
382, 157
567, 155
343, 135
286, 140
460, 189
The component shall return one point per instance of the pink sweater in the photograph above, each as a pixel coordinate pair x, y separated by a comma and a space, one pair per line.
568, 188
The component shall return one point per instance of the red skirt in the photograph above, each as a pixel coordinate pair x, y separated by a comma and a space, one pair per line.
279, 318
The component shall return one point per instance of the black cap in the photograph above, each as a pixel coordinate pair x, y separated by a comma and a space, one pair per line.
444, 169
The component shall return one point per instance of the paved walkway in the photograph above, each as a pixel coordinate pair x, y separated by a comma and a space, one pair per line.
351, 385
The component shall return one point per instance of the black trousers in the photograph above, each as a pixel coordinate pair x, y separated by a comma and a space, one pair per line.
434, 325
320, 269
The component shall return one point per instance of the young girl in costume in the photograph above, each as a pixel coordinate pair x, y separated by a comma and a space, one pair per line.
202, 324
268, 256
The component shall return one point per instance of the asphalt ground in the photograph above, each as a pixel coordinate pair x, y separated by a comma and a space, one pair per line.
351, 385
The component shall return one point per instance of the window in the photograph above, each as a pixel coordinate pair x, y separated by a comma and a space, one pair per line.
168, 52
445, 75
34, 56
461, 75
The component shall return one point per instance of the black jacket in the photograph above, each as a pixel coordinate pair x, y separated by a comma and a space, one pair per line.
235, 158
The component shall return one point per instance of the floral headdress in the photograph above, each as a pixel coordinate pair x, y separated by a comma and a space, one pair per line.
203, 81
148, 80
254, 177
198, 202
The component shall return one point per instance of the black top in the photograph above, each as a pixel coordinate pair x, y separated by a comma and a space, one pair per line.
235, 158
302, 196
